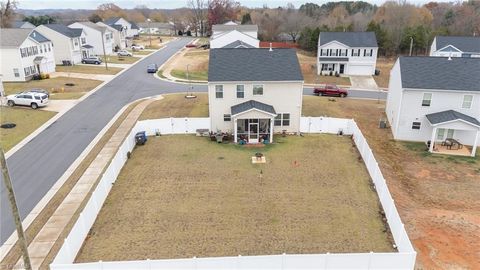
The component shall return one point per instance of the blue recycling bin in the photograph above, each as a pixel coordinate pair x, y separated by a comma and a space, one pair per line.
140, 138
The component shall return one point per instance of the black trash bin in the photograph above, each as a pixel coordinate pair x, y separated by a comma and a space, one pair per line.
140, 138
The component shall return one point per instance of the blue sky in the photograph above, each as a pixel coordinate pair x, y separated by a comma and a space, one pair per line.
166, 4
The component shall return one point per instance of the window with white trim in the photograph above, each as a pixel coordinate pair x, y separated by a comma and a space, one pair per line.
467, 101
355, 52
240, 91
258, 90
218, 91
84, 40
16, 73
416, 125
427, 99
227, 117
282, 120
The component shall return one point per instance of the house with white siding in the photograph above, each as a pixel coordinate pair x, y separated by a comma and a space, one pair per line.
24, 54
259, 95
100, 37
119, 35
224, 35
70, 44
130, 30
350, 53
436, 99
166, 29
455, 46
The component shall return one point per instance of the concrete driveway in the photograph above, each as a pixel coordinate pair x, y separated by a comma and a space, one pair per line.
363, 82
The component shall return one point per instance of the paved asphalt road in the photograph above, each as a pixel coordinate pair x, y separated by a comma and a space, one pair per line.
40, 163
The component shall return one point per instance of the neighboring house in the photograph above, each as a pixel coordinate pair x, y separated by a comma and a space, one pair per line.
254, 92
226, 39
24, 53
121, 23
134, 29
100, 37
166, 29
248, 29
350, 53
455, 46
119, 34
22, 24
435, 98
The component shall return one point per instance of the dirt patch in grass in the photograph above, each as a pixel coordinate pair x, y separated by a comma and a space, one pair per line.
308, 64
185, 196
27, 121
54, 86
176, 105
123, 59
384, 65
436, 195
156, 44
89, 69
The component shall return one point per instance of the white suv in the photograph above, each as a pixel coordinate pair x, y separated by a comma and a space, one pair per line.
138, 47
31, 99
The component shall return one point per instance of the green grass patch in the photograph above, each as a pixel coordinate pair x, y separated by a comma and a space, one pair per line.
91, 69
193, 75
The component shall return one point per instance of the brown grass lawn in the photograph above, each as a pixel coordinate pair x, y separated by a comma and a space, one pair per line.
308, 64
384, 65
176, 105
197, 59
27, 121
141, 52
91, 69
437, 195
114, 59
145, 41
54, 86
185, 196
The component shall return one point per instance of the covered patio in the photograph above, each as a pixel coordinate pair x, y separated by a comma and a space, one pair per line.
452, 131
253, 122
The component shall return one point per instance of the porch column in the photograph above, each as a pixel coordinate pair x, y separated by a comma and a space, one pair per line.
475, 144
272, 121
235, 130
432, 140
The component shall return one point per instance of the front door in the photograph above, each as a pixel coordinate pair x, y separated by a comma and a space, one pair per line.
253, 133
342, 68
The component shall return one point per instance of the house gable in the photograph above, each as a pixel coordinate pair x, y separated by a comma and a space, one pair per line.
449, 48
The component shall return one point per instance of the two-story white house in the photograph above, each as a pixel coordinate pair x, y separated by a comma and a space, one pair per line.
125, 25
230, 35
119, 35
455, 46
350, 53
254, 93
24, 53
100, 37
166, 29
69, 44
435, 99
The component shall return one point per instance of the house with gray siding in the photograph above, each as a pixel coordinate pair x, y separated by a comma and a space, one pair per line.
257, 96
455, 46
435, 99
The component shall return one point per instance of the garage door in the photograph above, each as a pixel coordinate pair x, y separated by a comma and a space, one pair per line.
359, 69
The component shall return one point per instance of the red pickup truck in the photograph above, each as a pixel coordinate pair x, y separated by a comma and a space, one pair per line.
330, 90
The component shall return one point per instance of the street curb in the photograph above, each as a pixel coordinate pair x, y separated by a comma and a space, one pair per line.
27, 221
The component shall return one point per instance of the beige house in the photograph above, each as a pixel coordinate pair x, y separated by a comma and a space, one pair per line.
257, 96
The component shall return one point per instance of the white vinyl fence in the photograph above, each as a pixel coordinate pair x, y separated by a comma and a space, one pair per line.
404, 259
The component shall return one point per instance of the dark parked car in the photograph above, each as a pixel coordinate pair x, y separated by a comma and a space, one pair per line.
92, 60
152, 68
330, 90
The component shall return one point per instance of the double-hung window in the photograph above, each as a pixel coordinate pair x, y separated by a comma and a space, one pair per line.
240, 91
16, 73
227, 117
258, 90
282, 120
467, 101
219, 91
416, 125
427, 99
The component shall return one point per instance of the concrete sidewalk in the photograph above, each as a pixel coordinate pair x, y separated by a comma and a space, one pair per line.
49, 234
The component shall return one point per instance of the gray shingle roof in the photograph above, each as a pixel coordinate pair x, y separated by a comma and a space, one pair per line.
459, 73
94, 26
22, 24
465, 44
134, 25
254, 64
240, 27
13, 37
38, 37
65, 30
450, 115
119, 27
352, 39
238, 44
112, 20
252, 104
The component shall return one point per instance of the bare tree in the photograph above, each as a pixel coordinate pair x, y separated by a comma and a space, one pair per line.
7, 13
199, 15
292, 24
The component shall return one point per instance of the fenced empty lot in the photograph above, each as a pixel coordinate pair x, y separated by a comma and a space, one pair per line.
184, 196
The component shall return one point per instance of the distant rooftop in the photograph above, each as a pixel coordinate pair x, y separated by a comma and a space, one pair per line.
463, 43
65, 30
352, 39
14, 37
238, 27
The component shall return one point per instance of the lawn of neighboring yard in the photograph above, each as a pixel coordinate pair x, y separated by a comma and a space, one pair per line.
192, 75
100, 69
197, 61
384, 65
184, 196
308, 64
54, 86
141, 52
156, 44
176, 105
436, 195
123, 59
26, 119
